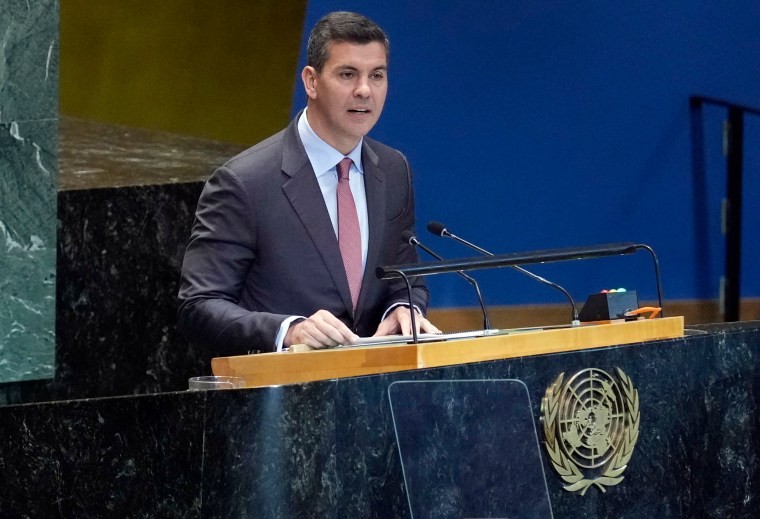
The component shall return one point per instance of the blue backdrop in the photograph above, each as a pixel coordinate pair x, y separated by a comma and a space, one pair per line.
540, 124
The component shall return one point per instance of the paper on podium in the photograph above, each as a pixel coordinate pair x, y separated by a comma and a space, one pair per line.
387, 340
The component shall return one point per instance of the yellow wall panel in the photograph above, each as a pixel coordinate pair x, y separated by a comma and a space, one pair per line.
220, 70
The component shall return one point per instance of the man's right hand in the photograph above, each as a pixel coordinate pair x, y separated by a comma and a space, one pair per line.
321, 330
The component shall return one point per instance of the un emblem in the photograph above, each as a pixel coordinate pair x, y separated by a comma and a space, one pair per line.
591, 424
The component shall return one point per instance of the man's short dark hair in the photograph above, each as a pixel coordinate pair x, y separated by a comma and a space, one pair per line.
341, 26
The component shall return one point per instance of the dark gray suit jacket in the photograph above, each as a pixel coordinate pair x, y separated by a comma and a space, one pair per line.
263, 247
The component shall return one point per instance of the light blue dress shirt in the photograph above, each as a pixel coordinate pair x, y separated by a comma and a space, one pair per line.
324, 158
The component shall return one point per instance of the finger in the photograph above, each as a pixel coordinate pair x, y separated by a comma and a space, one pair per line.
333, 329
316, 333
427, 326
404, 322
306, 332
421, 324
387, 327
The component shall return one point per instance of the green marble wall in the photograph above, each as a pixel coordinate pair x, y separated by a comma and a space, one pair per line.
28, 171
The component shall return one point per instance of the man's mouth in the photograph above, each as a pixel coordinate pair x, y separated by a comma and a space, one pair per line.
359, 110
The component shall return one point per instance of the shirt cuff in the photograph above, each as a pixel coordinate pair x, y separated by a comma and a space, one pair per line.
284, 330
393, 306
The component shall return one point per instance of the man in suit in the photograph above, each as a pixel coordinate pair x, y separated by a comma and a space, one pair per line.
288, 233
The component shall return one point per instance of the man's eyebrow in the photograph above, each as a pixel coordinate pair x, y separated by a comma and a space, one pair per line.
351, 67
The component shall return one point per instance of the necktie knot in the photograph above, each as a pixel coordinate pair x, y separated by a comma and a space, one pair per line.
343, 167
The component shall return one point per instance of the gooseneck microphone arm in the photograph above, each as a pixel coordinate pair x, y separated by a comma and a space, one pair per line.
412, 239
650, 250
402, 274
438, 229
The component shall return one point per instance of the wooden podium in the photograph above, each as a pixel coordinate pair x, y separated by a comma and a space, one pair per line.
267, 369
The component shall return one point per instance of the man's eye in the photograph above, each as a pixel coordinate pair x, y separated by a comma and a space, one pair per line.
347, 75
378, 76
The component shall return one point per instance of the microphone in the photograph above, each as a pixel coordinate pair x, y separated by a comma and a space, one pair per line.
408, 236
439, 229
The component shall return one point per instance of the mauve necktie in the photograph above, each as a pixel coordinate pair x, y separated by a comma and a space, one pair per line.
349, 235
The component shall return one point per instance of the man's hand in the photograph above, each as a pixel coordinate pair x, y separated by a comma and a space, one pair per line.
400, 321
320, 330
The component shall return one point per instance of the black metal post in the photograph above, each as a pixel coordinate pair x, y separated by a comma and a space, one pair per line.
733, 217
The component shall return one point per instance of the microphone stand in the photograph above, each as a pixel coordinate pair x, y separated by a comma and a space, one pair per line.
438, 229
486, 321
412, 311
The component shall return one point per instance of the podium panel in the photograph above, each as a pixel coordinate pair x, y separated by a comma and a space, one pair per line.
469, 448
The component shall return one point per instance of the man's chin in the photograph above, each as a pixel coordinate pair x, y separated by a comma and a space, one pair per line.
361, 128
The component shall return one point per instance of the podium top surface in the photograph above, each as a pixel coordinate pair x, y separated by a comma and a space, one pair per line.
291, 367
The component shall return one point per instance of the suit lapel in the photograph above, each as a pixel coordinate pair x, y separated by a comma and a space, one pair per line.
374, 187
302, 190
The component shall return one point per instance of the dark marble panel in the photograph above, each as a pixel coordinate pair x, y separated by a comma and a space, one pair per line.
122, 457
697, 329
271, 453
700, 427
327, 449
28, 60
125, 212
469, 448
120, 252
683, 456
372, 482
27, 250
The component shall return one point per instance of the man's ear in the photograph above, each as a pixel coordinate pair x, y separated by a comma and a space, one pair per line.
309, 76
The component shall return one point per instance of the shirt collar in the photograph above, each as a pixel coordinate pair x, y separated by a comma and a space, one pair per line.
322, 156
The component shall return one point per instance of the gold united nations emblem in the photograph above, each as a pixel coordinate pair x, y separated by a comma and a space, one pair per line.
591, 424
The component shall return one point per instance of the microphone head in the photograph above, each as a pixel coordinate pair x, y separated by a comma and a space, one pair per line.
436, 228
409, 237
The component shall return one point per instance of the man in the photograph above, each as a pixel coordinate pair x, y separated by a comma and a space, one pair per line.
282, 251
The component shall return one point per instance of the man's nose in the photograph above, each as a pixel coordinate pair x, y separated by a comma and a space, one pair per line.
362, 88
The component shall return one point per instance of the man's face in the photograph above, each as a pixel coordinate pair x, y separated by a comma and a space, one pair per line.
347, 97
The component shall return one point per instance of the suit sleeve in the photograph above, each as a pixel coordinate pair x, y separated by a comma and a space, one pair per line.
217, 260
407, 253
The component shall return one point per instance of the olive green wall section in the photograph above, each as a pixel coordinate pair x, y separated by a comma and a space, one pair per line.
220, 70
